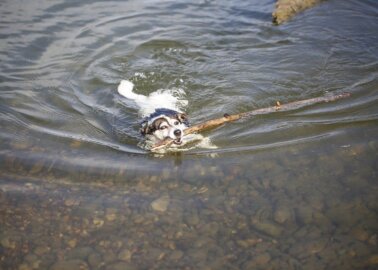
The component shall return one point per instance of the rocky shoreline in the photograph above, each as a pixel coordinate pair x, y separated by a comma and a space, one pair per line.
209, 217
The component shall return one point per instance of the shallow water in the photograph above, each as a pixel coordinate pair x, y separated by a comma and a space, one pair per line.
290, 190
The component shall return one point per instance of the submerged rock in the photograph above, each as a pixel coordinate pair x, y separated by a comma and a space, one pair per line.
373, 260
120, 266
95, 260
176, 255
267, 227
79, 253
69, 265
161, 204
260, 260
283, 214
125, 255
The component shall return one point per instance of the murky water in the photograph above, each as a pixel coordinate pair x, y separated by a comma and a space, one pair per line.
290, 190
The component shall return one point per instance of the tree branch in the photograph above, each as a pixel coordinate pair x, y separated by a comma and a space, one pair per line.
213, 123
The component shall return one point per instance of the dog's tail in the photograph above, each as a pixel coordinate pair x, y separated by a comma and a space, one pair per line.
125, 88
169, 99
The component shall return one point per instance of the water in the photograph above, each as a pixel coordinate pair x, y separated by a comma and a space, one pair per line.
290, 190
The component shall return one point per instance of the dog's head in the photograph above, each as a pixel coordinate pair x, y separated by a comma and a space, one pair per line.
165, 123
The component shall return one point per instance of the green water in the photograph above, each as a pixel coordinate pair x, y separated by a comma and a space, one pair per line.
290, 190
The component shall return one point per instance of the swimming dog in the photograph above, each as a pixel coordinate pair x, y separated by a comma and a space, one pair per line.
161, 113
163, 118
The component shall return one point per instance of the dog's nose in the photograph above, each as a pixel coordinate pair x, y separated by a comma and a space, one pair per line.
177, 133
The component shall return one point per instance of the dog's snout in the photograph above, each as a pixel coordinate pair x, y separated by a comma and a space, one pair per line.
177, 133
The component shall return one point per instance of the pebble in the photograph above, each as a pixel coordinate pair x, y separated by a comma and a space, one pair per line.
7, 243
37, 168
360, 234
247, 243
98, 222
70, 265
71, 202
373, 260
95, 260
24, 266
260, 260
72, 243
81, 253
305, 214
192, 219
176, 255
267, 227
21, 145
40, 250
111, 217
282, 215
309, 248
120, 266
125, 255
161, 204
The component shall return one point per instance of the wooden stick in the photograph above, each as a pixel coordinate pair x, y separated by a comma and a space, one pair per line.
234, 117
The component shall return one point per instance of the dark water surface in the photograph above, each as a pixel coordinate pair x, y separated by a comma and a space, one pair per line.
291, 190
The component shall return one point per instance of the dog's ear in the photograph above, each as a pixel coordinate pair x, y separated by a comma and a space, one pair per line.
145, 129
183, 118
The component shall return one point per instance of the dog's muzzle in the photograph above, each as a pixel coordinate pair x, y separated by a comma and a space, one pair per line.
178, 134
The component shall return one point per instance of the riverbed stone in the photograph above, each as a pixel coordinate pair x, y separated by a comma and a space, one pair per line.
360, 234
98, 222
125, 255
373, 260
161, 204
72, 242
80, 253
267, 227
111, 217
95, 260
71, 202
176, 255
304, 214
41, 250
6, 242
260, 261
247, 243
70, 265
283, 214
121, 266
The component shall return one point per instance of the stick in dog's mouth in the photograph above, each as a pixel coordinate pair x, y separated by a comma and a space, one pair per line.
230, 118
178, 141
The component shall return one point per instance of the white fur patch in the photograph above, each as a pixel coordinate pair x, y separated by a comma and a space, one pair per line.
170, 98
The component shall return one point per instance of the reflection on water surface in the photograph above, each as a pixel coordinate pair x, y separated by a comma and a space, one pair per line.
292, 190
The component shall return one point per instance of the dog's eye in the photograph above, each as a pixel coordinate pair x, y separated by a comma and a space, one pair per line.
176, 123
162, 127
